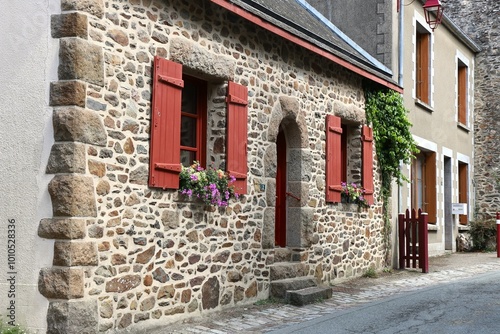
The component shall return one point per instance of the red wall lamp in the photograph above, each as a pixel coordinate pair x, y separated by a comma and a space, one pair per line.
433, 13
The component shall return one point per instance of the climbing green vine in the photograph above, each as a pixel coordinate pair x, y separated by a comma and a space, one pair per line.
393, 143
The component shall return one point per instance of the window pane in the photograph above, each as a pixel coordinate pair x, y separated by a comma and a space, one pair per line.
462, 94
420, 187
187, 157
188, 131
422, 65
189, 99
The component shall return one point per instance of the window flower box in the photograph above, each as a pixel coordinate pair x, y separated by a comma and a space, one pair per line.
210, 186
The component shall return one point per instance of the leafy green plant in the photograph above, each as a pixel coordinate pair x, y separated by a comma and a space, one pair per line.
212, 186
483, 235
370, 273
394, 144
388, 270
8, 329
391, 130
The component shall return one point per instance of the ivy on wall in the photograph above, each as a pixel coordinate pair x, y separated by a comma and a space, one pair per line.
394, 144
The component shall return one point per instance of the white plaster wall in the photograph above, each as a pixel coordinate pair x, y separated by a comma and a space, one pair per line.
28, 62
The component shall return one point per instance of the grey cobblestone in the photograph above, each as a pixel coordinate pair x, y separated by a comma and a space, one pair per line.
266, 318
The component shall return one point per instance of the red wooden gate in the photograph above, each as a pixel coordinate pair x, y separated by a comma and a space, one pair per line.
413, 240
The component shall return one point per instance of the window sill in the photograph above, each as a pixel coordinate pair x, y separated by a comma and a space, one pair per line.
424, 106
183, 200
352, 207
432, 227
463, 228
463, 127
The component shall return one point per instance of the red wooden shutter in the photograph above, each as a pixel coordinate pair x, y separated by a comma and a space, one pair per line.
164, 160
237, 120
333, 158
367, 138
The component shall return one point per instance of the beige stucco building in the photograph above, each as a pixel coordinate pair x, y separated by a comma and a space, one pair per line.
438, 81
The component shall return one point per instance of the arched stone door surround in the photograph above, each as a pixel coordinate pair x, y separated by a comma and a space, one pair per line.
287, 115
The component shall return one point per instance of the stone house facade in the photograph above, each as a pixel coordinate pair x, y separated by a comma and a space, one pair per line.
121, 252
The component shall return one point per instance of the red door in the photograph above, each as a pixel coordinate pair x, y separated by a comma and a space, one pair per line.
280, 214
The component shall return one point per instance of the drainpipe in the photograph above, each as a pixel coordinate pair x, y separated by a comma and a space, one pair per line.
400, 43
400, 81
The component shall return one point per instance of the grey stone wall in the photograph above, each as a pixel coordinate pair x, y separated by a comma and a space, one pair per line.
131, 254
480, 20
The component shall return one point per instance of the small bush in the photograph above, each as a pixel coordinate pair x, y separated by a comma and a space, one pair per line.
388, 270
370, 273
7, 329
483, 235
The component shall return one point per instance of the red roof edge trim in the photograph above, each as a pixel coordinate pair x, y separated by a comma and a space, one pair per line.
313, 48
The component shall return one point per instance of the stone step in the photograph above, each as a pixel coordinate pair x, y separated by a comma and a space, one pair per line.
290, 255
284, 270
282, 255
278, 289
308, 295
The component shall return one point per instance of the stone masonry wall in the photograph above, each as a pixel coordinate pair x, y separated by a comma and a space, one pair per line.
127, 255
479, 20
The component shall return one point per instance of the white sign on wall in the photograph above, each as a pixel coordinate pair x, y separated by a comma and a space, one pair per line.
459, 208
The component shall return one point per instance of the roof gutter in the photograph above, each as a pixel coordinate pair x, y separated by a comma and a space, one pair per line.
460, 34
305, 44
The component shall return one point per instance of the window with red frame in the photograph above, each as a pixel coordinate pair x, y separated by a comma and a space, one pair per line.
179, 126
193, 121
338, 164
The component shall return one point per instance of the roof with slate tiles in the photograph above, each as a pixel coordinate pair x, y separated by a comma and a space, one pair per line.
296, 18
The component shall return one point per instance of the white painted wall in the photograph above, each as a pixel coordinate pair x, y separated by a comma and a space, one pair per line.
28, 62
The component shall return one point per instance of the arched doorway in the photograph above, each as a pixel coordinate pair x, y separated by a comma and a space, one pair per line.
287, 221
281, 186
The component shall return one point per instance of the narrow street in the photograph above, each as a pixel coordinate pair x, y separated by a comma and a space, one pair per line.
466, 306
460, 291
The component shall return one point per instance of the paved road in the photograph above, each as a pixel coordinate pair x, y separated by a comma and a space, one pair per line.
357, 294
468, 306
